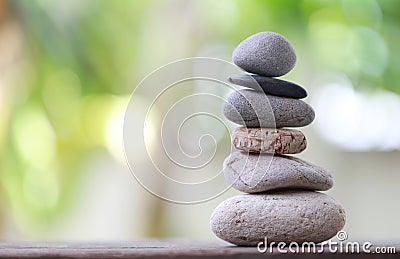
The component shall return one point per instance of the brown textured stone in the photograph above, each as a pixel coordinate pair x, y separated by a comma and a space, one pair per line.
266, 140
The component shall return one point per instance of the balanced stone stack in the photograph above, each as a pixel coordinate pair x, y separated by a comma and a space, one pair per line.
283, 203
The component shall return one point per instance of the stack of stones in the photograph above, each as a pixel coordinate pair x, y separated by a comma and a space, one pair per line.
282, 202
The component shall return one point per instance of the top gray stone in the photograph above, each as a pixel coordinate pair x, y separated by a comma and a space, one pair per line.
265, 53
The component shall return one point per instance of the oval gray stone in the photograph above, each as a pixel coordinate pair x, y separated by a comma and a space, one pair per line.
289, 216
252, 173
267, 140
265, 53
255, 109
270, 85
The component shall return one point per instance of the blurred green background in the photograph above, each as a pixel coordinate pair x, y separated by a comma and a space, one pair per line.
67, 69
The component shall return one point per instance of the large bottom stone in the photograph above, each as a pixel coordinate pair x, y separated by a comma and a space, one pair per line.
286, 216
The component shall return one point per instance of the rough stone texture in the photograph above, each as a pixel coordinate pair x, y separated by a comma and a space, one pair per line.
290, 216
266, 140
257, 110
254, 173
270, 85
265, 53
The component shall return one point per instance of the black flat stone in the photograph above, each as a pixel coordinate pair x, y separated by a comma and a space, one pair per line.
270, 85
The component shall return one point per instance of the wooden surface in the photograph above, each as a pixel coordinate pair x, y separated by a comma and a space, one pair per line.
159, 249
